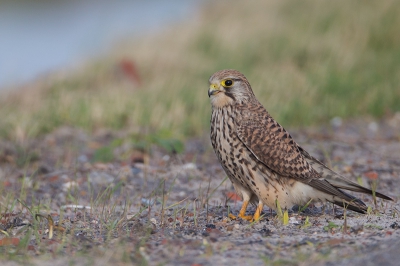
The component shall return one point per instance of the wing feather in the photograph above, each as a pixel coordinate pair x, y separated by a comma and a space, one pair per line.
272, 145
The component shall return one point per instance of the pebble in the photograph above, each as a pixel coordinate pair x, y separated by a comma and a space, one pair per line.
27, 182
293, 220
69, 185
82, 158
189, 166
373, 126
100, 178
135, 170
147, 202
336, 121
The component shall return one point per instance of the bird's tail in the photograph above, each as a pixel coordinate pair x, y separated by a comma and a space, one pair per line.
354, 204
339, 181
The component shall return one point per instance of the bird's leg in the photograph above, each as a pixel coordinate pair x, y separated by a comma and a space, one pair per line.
242, 212
258, 211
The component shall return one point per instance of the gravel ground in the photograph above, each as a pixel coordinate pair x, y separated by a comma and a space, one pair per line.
171, 209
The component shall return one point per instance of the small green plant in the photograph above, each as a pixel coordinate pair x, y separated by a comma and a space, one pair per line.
303, 208
284, 216
370, 210
25, 157
306, 223
106, 153
162, 138
345, 217
103, 154
360, 181
373, 226
374, 185
331, 226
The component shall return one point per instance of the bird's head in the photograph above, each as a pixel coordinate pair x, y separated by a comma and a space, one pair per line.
228, 87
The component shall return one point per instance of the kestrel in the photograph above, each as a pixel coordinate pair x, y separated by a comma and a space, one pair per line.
263, 162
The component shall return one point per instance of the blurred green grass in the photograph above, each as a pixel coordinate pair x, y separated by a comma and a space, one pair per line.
307, 61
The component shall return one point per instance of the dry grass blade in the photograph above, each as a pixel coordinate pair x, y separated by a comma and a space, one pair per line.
50, 224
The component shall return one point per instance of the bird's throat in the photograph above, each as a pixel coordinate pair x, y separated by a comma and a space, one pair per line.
220, 100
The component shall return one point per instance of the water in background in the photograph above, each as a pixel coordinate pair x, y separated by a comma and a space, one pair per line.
39, 36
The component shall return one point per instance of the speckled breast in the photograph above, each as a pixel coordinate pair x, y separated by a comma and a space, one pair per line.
230, 151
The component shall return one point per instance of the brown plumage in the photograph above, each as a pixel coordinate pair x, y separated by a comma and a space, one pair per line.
260, 157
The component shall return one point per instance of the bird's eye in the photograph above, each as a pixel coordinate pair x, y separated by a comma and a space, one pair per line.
227, 83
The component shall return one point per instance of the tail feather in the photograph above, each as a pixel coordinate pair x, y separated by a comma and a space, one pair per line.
359, 209
338, 181
337, 196
355, 204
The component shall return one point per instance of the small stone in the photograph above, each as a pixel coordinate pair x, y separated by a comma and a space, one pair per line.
130, 216
135, 170
147, 202
373, 126
212, 226
27, 182
336, 121
265, 232
100, 178
293, 220
189, 166
395, 225
82, 158
69, 185
357, 229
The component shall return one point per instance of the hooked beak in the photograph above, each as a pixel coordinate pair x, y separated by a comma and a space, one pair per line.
213, 90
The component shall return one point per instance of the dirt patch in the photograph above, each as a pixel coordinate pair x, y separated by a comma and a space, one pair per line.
171, 209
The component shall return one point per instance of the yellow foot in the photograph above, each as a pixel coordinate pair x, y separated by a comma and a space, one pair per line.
250, 218
256, 216
231, 216
244, 217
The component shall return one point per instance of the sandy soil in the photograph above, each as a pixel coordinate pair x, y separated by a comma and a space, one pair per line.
169, 209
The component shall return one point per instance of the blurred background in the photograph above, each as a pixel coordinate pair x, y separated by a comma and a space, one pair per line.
43, 35
144, 65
